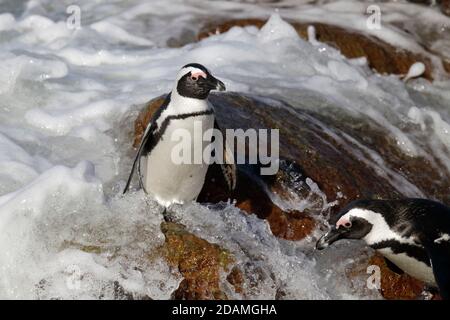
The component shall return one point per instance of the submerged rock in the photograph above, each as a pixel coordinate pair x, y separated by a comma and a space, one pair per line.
199, 261
381, 56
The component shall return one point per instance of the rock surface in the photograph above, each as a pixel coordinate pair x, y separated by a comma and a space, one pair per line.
445, 6
447, 63
199, 261
381, 56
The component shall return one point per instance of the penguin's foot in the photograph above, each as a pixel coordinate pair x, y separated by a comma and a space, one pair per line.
170, 216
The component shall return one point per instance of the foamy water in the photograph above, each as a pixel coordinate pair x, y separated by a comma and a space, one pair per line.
68, 101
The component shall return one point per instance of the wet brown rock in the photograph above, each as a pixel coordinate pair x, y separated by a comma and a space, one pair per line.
144, 118
447, 64
251, 197
381, 56
307, 145
396, 286
236, 279
199, 261
200, 264
445, 6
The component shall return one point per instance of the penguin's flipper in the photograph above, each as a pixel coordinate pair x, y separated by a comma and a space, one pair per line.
228, 166
148, 135
393, 267
439, 253
147, 140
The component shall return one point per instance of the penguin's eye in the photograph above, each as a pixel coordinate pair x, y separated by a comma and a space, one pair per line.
348, 225
194, 78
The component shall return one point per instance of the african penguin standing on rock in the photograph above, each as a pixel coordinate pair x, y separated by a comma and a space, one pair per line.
185, 109
413, 234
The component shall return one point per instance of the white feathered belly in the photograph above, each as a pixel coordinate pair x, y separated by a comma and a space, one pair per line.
414, 268
169, 182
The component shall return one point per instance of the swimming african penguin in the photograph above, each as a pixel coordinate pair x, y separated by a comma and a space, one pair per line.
413, 234
186, 108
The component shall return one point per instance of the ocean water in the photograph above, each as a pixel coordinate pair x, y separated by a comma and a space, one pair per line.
68, 99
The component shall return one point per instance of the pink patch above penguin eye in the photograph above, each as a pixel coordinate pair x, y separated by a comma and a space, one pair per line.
196, 75
343, 222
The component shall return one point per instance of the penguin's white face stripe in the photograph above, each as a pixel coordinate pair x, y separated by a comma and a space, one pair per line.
380, 229
443, 237
192, 70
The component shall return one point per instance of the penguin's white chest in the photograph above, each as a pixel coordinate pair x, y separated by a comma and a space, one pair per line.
416, 269
175, 169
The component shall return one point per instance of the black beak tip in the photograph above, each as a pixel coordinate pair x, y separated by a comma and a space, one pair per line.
331, 237
220, 86
321, 244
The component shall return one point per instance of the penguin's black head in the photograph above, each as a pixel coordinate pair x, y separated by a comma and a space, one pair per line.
355, 221
195, 81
